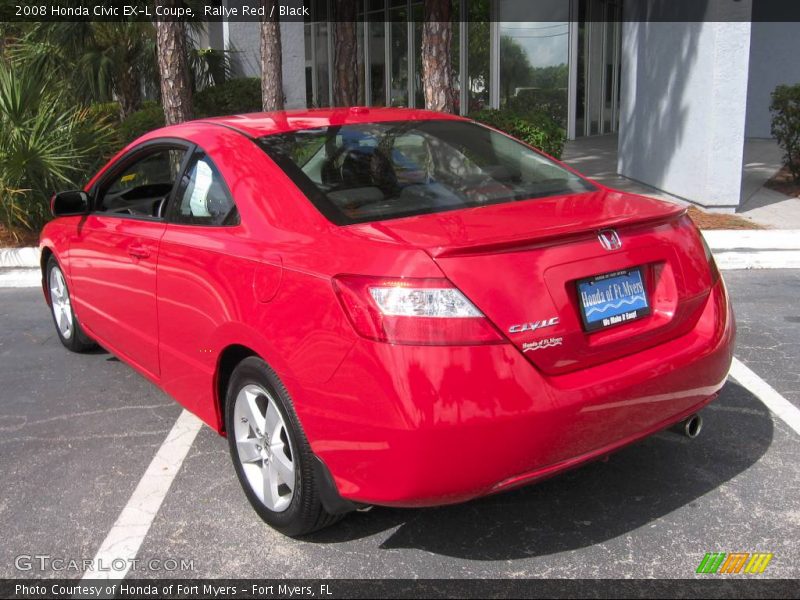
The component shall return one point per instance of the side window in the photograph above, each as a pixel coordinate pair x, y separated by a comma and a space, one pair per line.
143, 187
203, 198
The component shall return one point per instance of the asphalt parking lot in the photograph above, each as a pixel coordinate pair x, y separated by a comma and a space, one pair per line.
78, 431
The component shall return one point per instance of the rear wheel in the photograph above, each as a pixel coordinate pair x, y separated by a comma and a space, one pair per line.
270, 452
69, 330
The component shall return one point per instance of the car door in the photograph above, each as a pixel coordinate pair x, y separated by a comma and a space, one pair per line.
115, 252
199, 277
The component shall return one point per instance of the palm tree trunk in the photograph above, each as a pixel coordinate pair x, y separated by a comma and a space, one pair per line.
345, 48
271, 60
128, 90
176, 94
437, 77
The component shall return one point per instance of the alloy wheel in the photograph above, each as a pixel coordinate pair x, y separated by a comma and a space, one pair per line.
59, 299
263, 447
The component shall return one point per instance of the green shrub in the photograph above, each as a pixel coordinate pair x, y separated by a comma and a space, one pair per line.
46, 144
147, 118
785, 109
108, 111
552, 102
534, 128
236, 96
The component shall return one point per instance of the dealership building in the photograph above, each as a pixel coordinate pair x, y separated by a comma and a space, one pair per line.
682, 98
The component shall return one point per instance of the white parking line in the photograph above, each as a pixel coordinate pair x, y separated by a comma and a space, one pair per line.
779, 405
113, 559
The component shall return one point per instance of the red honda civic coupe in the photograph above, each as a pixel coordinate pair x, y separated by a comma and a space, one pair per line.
388, 306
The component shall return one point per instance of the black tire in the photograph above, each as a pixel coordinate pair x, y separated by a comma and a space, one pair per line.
75, 339
305, 512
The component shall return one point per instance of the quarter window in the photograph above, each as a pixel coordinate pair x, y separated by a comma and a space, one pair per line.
203, 198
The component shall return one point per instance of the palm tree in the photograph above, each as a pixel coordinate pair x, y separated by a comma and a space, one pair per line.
437, 77
105, 60
46, 142
345, 48
176, 92
271, 60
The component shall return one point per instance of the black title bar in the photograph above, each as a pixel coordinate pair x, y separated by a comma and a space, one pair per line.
324, 10
304, 589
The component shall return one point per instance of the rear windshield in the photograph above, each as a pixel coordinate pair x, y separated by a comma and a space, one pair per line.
375, 171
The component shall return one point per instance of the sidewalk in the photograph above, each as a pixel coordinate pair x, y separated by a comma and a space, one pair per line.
762, 160
596, 157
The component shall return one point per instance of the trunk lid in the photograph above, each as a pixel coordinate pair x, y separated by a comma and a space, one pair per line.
520, 262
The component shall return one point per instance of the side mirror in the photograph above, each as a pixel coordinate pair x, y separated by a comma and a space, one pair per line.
74, 202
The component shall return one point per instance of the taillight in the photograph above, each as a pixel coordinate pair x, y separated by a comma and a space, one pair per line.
712, 264
430, 312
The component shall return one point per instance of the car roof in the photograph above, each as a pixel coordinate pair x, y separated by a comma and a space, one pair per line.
266, 123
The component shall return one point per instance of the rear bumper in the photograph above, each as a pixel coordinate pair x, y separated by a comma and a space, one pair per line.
422, 426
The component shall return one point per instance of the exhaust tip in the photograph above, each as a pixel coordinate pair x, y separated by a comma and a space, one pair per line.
690, 427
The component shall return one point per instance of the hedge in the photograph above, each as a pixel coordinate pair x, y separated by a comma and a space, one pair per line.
236, 96
147, 118
785, 108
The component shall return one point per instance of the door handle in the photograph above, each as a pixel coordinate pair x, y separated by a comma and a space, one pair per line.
138, 251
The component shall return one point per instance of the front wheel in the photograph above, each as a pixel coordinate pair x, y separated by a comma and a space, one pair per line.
67, 327
270, 453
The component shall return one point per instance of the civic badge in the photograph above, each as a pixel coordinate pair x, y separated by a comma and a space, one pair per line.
609, 239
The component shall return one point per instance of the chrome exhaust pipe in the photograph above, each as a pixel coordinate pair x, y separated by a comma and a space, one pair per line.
689, 427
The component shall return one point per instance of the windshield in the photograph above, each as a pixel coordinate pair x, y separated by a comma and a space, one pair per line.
375, 171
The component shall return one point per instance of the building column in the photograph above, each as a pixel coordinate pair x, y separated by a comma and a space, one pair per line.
682, 115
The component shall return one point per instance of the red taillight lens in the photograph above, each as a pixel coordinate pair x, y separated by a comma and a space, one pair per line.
712, 264
428, 312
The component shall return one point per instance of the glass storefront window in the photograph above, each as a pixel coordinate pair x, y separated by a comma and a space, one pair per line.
360, 59
309, 66
597, 90
455, 53
377, 61
418, 12
321, 39
478, 53
399, 49
534, 60
401, 63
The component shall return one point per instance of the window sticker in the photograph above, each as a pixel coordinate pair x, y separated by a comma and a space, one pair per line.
202, 184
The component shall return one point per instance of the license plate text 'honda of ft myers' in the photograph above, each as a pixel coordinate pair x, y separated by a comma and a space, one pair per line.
388, 307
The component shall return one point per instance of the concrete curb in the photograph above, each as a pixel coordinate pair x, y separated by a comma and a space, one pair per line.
19, 257
753, 239
755, 249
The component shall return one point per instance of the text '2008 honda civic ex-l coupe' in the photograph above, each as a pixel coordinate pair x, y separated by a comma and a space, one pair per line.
388, 306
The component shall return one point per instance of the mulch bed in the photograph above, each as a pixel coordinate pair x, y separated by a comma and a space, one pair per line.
707, 220
783, 182
18, 239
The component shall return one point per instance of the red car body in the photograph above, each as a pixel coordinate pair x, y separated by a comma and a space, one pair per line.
400, 424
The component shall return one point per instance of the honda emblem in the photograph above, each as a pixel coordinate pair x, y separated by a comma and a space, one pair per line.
609, 239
